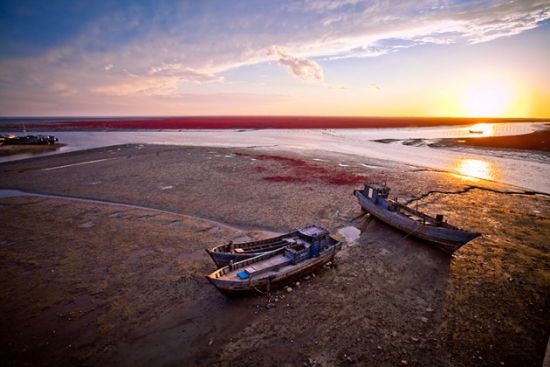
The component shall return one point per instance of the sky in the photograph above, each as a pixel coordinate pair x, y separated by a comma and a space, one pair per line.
303, 57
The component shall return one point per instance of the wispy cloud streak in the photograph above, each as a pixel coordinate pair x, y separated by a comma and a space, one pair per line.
307, 70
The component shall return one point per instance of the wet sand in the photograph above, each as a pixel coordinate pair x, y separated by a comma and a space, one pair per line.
6, 150
537, 141
99, 283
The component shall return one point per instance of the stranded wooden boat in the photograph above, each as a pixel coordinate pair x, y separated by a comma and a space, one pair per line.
233, 252
309, 250
374, 199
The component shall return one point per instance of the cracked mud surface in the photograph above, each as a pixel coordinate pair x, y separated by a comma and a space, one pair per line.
86, 283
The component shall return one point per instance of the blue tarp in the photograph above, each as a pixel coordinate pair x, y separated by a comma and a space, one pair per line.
243, 274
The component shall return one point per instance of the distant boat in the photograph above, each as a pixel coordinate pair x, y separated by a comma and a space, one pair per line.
303, 254
476, 131
374, 199
226, 254
29, 140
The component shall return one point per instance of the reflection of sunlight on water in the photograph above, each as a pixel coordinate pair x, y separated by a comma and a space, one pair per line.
475, 168
479, 130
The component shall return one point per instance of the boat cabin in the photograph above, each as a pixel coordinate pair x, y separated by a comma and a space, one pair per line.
318, 237
297, 251
376, 192
309, 243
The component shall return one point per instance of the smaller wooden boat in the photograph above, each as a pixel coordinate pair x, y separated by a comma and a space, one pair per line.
303, 254
233, 252
375, 200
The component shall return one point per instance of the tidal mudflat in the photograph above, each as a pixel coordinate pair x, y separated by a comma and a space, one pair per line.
118, 278
27, 150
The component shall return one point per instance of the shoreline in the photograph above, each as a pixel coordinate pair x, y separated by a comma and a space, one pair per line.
249, 122
500, 166
13, 150
538, 141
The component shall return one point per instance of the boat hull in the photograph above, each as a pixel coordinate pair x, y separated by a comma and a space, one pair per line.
447, 239
230, 253
223, 256
264, 282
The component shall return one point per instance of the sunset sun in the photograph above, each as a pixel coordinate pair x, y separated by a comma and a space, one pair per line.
488, 99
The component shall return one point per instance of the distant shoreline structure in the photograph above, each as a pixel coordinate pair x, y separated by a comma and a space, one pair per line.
242, 122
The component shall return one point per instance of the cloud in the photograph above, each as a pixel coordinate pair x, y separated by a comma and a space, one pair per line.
303, 69
35, 103
145, 86
364, 30
62, 89
162, 80
337, 87
319, 5
512, 21
160, 51
185, 74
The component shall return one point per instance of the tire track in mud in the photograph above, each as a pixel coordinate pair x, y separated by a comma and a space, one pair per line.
15, 193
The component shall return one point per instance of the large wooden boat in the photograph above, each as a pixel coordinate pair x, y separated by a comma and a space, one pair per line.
374, 199
229, 253
310, 250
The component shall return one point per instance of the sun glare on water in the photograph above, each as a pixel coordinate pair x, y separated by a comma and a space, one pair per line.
481, 129
475, 168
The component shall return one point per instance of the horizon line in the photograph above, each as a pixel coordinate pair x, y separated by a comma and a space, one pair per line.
276, 116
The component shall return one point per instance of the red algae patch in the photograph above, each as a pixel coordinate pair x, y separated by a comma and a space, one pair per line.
265, 157
301, 171
346, 179
292, 179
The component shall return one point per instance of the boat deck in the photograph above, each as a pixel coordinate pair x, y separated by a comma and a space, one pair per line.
420, 217
274, 264
263, 246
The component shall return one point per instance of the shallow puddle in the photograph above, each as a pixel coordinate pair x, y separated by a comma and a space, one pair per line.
350, 233
11, 193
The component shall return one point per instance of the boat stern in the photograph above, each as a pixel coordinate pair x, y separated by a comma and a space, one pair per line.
473, 236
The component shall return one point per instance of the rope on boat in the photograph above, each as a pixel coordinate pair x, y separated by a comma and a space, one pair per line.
268, 291
259, 291
359, 216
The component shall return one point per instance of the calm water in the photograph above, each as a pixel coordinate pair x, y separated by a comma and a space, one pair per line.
523, 169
